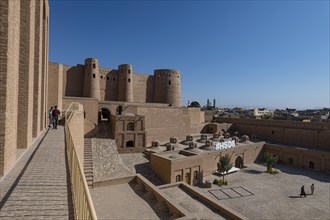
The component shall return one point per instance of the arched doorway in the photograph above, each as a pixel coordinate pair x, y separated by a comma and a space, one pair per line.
104, 128
119, 110
130, 144
187, 178
104, 115
239, 162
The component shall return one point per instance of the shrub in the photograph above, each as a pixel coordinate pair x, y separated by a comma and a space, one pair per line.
225, 182
215, 182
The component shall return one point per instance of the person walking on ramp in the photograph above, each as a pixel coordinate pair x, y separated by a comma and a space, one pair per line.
55, 114
50, 116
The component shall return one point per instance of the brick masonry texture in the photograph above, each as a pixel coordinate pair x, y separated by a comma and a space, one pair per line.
23, 75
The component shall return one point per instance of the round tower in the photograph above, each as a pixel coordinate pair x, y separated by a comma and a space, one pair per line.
91, 79
167, 87
125, 83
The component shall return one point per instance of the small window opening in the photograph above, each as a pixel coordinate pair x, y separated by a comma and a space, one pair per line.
94, 66
101, 77
130, 126
113, 78
108, 78
130, 144
129, 80
169, 82
311, 164
178, 178
195, 175
129, 71
93, 75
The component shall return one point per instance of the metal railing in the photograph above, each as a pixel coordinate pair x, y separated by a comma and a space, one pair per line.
82, 201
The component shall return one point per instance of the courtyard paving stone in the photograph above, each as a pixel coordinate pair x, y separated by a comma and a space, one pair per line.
277, 196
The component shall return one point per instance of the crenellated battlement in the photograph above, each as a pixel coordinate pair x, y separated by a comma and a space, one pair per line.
122, 84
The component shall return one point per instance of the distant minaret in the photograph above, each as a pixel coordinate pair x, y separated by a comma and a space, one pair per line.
213, 103
208, 103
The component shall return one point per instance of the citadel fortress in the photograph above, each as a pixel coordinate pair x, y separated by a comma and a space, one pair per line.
138, 112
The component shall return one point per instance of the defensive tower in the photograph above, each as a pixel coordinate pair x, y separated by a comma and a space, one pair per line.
167, 87
91, 79
125, 83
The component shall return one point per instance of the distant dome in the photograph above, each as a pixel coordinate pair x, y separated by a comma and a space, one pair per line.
128, 114
195, 150
176, 156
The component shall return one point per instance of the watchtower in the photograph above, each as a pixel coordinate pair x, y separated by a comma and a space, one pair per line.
91, 79
167, 87
125, 83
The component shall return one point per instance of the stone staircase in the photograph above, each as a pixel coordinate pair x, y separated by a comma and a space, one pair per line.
88, 162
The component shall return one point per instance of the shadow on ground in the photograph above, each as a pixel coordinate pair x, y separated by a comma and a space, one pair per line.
145, 170
251, 171
159, 208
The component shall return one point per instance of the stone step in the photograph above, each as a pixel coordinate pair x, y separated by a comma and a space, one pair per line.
90, 183
89, 179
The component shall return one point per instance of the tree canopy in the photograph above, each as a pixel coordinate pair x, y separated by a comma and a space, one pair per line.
194, 104
270, 161
224, 165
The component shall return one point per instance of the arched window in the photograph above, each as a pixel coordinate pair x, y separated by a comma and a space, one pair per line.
129, 80
178, 178
130, 144
195, 175
130, 126
94, 66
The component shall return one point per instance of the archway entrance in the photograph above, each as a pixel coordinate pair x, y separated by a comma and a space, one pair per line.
239, 162
187, 178
104, 128
104, 115
130, 144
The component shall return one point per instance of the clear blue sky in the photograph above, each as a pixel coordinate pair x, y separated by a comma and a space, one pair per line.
242, 53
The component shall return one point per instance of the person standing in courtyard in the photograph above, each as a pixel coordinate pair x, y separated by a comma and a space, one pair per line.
55, 114
312, 189
50, 116
302, 191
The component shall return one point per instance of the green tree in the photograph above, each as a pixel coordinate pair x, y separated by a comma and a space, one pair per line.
224, 165
267, 116
270, 161
194, 104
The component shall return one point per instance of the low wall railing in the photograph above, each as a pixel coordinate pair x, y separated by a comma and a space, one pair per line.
82, 201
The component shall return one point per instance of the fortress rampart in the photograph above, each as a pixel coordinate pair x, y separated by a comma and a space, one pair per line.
122, 84
311, 135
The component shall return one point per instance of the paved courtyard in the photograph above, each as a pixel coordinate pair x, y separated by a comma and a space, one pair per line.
259, 195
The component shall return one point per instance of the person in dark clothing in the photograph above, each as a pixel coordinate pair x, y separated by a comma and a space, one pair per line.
302, 191
55, 114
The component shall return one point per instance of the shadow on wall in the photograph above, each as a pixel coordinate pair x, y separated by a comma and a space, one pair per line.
74, 82
150, 89
293, 170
